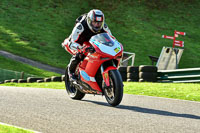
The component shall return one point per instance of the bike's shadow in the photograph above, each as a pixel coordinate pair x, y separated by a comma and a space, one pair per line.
146, 110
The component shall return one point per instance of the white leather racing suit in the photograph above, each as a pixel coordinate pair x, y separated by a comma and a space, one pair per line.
77, 36
80, 34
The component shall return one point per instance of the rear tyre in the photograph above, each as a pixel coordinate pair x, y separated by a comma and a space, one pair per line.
72, 90
114, 93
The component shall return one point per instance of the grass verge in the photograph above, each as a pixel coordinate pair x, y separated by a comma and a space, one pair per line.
21, 67
35, 29
11, 129
184, 91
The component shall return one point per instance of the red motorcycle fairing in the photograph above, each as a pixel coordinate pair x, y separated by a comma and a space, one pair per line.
97, 73
89, 66
88, 69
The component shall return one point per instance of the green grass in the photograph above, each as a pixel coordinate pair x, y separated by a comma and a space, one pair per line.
10, 129
52, 85
20, 67
140, 24
184, 91
35, 29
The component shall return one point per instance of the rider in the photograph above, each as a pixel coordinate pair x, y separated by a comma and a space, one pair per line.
87, 25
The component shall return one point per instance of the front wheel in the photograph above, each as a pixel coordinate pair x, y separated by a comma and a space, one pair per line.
114, 92
72, 90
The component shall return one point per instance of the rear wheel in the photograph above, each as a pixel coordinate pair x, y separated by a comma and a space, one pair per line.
72, 90
114, 93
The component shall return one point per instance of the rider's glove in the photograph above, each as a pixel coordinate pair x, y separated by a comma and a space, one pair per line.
90, 49
80, 49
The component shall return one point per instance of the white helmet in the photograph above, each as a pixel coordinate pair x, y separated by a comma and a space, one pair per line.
95, 20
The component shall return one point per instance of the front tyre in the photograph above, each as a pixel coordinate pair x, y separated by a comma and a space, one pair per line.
73, 92
114, 93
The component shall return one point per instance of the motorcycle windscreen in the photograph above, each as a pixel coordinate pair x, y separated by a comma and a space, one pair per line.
106, 44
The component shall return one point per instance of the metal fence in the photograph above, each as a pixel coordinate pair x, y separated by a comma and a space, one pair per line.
126, 57
179, 75
9, 74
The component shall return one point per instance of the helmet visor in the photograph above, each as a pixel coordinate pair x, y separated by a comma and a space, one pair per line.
97, 26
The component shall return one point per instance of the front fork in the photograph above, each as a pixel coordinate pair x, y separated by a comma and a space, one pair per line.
105, 74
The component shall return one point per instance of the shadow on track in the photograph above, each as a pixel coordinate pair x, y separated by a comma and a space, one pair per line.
147, 110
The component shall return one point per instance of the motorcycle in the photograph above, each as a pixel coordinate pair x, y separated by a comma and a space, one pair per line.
98, 73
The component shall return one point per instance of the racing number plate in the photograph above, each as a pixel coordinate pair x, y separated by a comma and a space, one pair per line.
116, 50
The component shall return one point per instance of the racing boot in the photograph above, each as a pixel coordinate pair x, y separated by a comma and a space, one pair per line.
72, 67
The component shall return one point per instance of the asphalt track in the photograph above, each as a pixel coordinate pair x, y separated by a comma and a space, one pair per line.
52, 111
